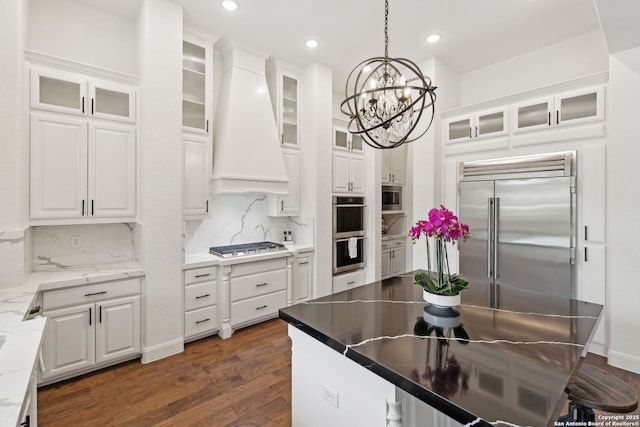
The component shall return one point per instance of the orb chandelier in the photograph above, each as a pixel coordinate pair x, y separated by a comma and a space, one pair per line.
386, 98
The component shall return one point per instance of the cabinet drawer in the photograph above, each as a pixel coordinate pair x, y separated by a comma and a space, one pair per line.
258, 284
200, 295
197, 275
347, 281
200, 321
258, 266
89, 293
392, 243
257, 308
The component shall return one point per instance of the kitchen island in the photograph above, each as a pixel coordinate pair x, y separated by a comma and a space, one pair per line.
378, 354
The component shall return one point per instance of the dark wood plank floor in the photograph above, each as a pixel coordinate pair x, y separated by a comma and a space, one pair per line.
244, 381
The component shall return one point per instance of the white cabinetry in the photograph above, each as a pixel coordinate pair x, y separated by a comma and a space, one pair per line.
200, 302
303, 277
393, 165
348, 162
90, 327
29, 411
348, 172
591, 192
196, 83
197, 100
82, 170
64, 92
490, 123
195, 193
283, 80
585, 105
346, 281
258, 290
392, 257
288, 204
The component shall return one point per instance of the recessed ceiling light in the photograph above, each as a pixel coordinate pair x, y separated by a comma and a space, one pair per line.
433, 38
311, 43
230, 5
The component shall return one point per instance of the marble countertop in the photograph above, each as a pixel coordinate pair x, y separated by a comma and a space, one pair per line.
206, 259
22, 338
495, 363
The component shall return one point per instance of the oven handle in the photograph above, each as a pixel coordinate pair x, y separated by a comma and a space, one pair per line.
347, 239
350, 206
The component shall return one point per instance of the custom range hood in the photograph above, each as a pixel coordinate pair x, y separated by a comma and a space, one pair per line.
247, 157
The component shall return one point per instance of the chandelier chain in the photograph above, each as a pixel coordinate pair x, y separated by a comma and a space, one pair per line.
386, 28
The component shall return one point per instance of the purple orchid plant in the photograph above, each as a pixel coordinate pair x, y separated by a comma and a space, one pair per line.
444, 227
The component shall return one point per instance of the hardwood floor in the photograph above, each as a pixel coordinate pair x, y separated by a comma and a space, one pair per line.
242, 382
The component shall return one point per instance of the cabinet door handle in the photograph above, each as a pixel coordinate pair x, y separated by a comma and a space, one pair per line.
281, 205
206, 125
207, 206
202, 321
203, 296
91, 105
557, 117
262, 307
259, 285
82, 207
303, 263
476, 131
100, 314
95, 293
202, 275
470, 134
549, 121
92, 207
586, 258
27, 421
89, 316
585, 233
350, 283
83, 105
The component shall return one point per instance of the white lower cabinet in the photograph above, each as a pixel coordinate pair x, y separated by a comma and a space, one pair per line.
29, 411
392, 258
89, 327
346, 281
258, 290
200, 302
303, 277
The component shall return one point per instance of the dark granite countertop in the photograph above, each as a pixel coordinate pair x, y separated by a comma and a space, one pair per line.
504, 361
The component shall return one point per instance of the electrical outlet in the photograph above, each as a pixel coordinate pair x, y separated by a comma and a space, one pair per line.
330, 395
75, 241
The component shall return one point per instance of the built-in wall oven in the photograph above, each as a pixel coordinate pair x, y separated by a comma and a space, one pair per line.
348, 233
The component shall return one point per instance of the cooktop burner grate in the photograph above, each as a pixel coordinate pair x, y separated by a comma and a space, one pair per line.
245, 249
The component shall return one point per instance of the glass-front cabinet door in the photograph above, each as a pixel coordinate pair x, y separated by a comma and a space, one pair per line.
532, 115
289, 131
63, 92
195, 87
58, 91
581, 106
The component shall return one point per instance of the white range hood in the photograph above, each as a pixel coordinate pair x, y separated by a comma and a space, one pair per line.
247, 157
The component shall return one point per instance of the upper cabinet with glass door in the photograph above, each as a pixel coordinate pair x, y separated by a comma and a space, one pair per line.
196, 85
491, 123
344, 140
65, 92
570, 108
283, 81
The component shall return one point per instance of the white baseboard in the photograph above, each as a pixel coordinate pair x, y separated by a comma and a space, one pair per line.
598, 349
160, 351
624, 361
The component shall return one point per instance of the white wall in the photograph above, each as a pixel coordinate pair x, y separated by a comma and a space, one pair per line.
623, 205
14, 149
72, 30
576, 57
161, 158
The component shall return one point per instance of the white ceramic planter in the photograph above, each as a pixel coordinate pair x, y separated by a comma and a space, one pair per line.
441, 300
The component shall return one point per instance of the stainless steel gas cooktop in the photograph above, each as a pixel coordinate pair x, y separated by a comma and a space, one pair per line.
246, 249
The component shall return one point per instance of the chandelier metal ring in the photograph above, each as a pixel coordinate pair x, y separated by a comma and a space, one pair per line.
386, 113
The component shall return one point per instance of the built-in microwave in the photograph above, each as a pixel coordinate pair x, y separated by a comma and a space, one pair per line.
391, 198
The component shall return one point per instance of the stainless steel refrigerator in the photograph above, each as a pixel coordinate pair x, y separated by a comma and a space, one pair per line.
521, 216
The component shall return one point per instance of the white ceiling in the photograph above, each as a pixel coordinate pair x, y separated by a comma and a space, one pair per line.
474, 33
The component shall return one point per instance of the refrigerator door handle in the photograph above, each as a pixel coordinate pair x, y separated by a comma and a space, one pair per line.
489, 237
496, 219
